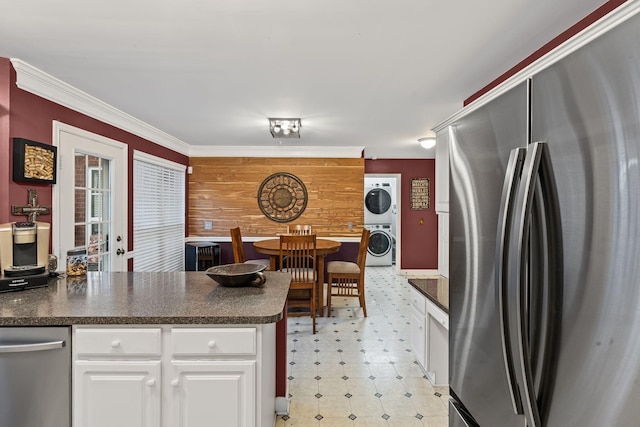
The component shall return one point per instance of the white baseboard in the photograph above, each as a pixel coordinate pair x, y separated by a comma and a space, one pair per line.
282, 405
419, 273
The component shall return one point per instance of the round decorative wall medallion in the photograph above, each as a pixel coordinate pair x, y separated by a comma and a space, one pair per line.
282, 197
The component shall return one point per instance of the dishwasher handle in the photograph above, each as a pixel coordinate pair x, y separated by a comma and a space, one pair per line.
39, 346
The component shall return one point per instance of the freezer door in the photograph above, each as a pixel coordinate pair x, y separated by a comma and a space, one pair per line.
481, 144
587, 109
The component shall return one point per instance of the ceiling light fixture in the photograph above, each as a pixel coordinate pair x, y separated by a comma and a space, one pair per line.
427, 142
285, 128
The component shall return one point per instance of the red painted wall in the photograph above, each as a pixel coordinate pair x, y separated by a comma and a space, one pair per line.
25, 115
419, 229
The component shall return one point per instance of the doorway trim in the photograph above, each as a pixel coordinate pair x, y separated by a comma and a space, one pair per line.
397, 202
122, 190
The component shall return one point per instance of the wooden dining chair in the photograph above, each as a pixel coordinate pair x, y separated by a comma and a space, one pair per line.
299, 229
297, 257
238, 250
346, 279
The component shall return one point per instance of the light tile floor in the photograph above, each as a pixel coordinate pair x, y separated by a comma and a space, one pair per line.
358, 371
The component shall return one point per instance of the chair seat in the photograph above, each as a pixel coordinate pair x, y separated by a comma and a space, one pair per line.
342, 267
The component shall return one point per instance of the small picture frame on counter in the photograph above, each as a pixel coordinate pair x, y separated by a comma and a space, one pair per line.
34, 161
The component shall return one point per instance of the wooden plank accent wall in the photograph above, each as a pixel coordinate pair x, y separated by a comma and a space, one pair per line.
224, 190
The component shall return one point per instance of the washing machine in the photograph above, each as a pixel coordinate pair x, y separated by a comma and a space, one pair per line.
378, 203
379, 252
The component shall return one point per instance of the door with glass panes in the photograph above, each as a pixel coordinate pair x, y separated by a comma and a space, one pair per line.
91, 196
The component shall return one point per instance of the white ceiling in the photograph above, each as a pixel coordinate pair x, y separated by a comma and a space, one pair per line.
372, 73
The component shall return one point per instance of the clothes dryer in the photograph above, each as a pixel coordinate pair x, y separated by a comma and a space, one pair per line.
378, 203
379, 251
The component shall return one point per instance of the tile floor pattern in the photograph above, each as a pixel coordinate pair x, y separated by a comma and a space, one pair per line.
358, 371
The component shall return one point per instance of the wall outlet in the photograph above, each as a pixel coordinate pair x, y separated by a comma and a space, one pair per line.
350, 225
208, 225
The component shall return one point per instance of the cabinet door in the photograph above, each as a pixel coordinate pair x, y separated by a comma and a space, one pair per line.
442, 171
443, 244
118, 393
437, 346
211, 393
418, 336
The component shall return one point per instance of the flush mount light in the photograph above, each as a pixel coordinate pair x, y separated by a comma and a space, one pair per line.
285, 128
427, 142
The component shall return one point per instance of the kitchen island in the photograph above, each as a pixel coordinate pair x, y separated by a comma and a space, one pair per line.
162, 349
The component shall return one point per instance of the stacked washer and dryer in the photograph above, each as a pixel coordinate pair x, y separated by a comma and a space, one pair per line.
380, 218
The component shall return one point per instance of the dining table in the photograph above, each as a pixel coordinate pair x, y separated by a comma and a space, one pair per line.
324, 247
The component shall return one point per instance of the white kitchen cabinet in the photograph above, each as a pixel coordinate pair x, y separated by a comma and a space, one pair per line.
418, 326
437, 345
213, 377
212, 393
442, 198
442, 170
443, 244
174, 376
116, 393
418, 336
116, 377
429, 334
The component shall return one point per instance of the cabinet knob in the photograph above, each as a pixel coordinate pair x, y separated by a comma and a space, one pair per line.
211, 344
115, 343
151, 382
174, 383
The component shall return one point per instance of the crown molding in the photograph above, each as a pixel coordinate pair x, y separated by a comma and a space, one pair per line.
595, 30
36, 81
276, 151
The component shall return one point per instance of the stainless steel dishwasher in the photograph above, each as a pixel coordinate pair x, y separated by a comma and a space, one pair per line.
35, 376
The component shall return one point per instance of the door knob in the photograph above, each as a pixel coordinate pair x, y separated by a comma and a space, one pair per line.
120, 251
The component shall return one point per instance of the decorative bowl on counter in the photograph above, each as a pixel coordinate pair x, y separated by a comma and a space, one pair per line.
236, 275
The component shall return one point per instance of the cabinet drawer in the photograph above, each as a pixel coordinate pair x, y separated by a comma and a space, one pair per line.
212, 341
418, 301
118, 342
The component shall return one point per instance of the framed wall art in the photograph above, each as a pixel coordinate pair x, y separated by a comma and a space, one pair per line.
420, 194
34, 161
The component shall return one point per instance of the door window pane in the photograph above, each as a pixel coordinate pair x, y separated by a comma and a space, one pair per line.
93, 209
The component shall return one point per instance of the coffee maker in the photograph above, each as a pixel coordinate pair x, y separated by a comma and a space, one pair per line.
24, 248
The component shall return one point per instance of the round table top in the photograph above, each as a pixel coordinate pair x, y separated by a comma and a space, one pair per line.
272, 246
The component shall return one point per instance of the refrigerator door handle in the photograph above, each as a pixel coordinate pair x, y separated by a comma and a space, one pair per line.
536, 169
551, 283
518, 278
511, 180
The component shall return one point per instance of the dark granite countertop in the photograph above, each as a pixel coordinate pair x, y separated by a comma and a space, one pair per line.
436, 289
145, 298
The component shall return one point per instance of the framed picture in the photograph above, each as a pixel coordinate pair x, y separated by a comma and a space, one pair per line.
420, 197
34, 161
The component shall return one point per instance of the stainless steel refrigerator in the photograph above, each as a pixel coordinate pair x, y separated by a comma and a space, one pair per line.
545, 246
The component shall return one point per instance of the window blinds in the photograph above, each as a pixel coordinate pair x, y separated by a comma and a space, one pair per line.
158, 214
